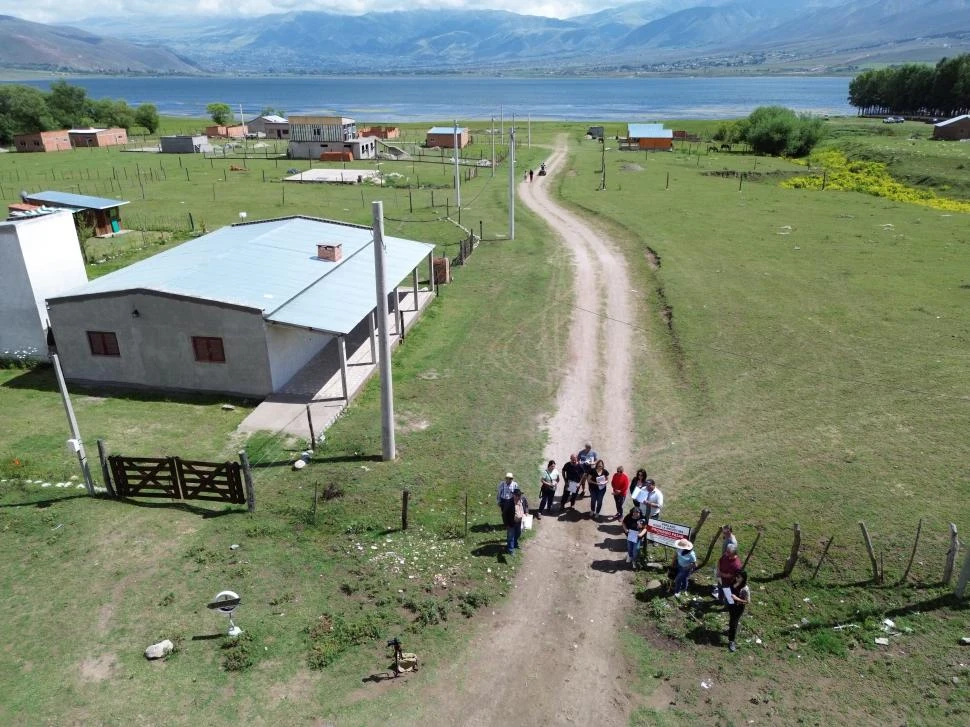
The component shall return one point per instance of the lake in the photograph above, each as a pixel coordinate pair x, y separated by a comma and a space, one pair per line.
422, 98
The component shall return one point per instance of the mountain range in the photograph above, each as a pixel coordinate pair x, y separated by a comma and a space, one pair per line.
651, 35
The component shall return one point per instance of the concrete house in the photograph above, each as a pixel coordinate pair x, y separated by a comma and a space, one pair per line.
444, 137
238, 311
81, 138
43, 141
185, 144
382, 132
218, 131
101, 214
653, 137
270, 126
953, 129
39, 257
312, 137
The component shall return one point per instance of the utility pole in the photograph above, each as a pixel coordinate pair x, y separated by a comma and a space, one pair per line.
501, 112
512, 183
530, 129
457, 172
491, 133
603, 164
387, 392
76, 443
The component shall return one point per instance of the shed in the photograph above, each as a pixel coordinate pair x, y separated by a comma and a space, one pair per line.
360, 148
100, 213
650, 136
444, 137
953, 129
39, 257
226, 132
184, 144
269, 126
381, 132
97, 137
43, 141
238, 311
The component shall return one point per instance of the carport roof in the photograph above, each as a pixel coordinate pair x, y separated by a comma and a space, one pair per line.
78, 201
649, 131
272, 266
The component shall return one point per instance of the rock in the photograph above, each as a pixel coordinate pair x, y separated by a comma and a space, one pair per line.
653, 585
955, 680
228, 407
157, 651
234, 546
965, 641
882, 641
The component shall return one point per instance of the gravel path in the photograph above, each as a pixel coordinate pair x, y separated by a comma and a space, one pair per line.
551, 653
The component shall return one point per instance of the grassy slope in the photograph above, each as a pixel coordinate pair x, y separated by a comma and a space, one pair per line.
815, 373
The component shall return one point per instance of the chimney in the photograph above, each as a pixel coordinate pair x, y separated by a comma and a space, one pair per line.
333, 253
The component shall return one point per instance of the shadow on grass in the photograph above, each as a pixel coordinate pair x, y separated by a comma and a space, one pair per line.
490, 549
379, 677
208, 637
946, 600
487, 528
704, 636
336, 459
43, 503
184, 507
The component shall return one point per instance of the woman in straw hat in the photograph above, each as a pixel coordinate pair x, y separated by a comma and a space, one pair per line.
686, 564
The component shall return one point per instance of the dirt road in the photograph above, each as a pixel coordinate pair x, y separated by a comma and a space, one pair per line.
551, 653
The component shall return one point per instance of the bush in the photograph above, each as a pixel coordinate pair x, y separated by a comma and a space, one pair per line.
331, 635
778, 131
238, 652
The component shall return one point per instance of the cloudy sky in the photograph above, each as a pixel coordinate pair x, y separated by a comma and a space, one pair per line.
52, 11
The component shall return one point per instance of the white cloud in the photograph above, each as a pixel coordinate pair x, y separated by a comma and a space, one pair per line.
65, 11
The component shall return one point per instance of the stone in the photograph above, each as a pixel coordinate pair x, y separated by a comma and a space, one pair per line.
653, 585
157, 651
882, 641
965, 641
228, 407
955, 680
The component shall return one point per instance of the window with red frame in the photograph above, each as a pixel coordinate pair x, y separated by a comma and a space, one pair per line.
208, 349
103, 343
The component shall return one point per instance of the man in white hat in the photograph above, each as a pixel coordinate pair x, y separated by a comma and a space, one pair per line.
505, 489
686, 564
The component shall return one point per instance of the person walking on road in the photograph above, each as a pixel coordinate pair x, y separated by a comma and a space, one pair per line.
740, 597
635, 529
597, 487
587, 458
513, 512
620, 485
572, 474
548, 482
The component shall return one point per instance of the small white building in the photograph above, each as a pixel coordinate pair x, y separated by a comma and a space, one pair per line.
39, 257
269, 126
185, 144
238, 311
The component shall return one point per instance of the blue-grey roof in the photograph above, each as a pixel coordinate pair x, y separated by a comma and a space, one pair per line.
649, 131
446, 129
78, 201
272, 266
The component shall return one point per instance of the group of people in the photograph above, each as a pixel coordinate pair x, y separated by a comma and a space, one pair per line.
586, 472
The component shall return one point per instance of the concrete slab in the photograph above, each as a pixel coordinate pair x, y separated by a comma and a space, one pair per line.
318, 384
334, 176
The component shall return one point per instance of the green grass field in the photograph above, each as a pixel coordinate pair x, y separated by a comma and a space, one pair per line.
813, 371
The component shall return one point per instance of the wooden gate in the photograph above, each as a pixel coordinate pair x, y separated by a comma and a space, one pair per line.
177, 479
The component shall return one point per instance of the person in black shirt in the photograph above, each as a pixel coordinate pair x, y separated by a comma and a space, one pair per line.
572, 474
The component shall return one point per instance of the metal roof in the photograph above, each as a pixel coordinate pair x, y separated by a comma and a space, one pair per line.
955, 118
78, 201
272, 266
649, 131
446, 129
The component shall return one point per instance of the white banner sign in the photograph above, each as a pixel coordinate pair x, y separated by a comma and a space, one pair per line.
660, 531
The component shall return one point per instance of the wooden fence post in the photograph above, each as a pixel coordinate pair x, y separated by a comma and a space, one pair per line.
912, 555
404, 509
309, 420
793, 556
105, 472
824, 553
248, 478
964, 577
872, 555
700, 523
751, 552
710, 550
466, 513
951, 554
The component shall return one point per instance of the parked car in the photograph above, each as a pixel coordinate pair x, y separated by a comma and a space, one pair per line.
893, 120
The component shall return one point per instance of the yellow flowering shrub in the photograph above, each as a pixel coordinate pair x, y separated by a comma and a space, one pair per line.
840, 174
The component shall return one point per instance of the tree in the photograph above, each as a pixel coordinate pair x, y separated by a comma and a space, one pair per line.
68, 104
146, 115
777, 130
23, 110
220, 113
108, 112
270, 111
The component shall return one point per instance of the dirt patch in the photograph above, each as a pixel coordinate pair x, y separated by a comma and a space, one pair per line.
631, 168
98, 668
429, 375
105, 614
298, 688
653, 259
662, 697
411, 423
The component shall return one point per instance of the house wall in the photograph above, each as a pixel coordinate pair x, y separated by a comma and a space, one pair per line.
655, 144
313, 149
953, 131
447, 141
39, 257
43, 141
290, 349
321, 128
156, 346
185, 144
274, 130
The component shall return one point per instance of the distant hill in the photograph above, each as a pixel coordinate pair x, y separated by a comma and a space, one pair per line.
59, 47
650, 35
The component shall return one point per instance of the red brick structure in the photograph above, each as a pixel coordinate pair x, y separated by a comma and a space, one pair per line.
82, 138
43, 141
